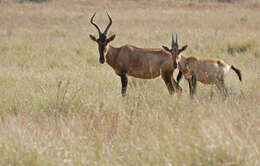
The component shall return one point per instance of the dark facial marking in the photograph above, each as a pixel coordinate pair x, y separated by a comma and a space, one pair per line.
101, 57
175, 65
102, 45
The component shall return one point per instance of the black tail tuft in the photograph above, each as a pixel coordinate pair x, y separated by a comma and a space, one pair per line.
238, 72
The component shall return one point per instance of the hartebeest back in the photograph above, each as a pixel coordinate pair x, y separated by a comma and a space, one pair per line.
207, 71
128, 60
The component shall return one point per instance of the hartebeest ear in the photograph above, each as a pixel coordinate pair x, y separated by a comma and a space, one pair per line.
111, 38
166, 48
93, 38
183, 48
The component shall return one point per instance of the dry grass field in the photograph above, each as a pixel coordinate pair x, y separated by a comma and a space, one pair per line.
60, 106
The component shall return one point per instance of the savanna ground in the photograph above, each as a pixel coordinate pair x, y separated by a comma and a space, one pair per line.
59, 106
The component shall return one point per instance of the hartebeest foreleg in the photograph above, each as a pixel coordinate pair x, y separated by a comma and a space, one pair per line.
167, 77
124, 81
176, 86
190, 88
192, 85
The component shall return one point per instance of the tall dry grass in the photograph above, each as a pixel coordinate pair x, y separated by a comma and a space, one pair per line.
59, 106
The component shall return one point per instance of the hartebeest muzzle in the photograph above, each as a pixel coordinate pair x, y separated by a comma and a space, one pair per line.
102, 57
175, 65
102, 61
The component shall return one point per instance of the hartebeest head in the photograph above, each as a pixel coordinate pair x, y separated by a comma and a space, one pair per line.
102, 41
175, 51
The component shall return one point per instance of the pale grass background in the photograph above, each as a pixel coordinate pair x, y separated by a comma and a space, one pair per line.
59, 106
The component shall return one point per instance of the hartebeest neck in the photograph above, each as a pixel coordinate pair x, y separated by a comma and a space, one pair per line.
182, 58
111, 55
181, 62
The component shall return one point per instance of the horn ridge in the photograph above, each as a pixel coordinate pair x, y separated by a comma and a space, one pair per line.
92, 22
172, 39
108, 26
176, 39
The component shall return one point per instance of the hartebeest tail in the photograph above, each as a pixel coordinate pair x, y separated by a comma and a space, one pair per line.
207, 71
238, 72
128, 60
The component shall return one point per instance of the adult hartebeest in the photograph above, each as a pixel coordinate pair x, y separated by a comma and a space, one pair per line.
207, 71
128, 60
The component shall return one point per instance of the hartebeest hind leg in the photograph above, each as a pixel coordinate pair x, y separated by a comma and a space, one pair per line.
124, 81
167, 77
221, 86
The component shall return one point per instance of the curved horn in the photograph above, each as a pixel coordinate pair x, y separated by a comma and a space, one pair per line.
176, 39
172, 39
108, 26
91, 21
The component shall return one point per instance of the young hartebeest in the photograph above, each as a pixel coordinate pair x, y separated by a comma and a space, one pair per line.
207, 71
128, 60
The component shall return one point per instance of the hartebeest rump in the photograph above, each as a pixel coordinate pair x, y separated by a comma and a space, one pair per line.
128, 60
206, 71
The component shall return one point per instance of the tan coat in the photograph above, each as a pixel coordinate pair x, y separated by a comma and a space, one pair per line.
205, 70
